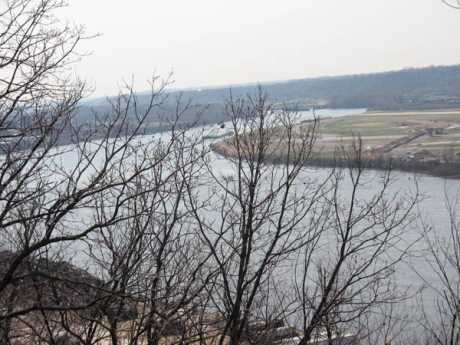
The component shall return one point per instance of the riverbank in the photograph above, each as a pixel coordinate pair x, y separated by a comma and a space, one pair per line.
425, 142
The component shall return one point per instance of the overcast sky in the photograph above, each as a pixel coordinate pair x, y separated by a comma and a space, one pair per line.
221, 42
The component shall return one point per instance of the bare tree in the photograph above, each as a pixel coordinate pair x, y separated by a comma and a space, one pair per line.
452, 3
348, 270
441, 312
153, 260
255, 213
262, 215
48, 193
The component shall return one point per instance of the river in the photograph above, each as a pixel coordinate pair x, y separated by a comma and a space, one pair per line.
430, 211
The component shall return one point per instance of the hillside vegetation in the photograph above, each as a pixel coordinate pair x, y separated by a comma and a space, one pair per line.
431, 87
415, 88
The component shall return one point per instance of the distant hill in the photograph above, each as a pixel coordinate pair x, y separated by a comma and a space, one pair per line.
413, 88
408, 88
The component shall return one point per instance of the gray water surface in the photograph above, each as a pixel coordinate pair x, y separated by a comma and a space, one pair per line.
414, 274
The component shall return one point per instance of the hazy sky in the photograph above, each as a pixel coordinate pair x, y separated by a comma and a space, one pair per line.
216, 42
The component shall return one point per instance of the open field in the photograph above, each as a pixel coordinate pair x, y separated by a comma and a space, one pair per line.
429, 134
425, 141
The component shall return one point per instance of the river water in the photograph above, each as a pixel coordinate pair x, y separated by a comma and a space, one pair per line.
412, 275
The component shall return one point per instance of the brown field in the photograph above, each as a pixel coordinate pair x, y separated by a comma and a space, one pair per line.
385, 134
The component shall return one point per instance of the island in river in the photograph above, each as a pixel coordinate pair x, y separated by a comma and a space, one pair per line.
417, 141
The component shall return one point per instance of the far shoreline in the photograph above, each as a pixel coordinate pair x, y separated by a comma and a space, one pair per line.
433, 170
